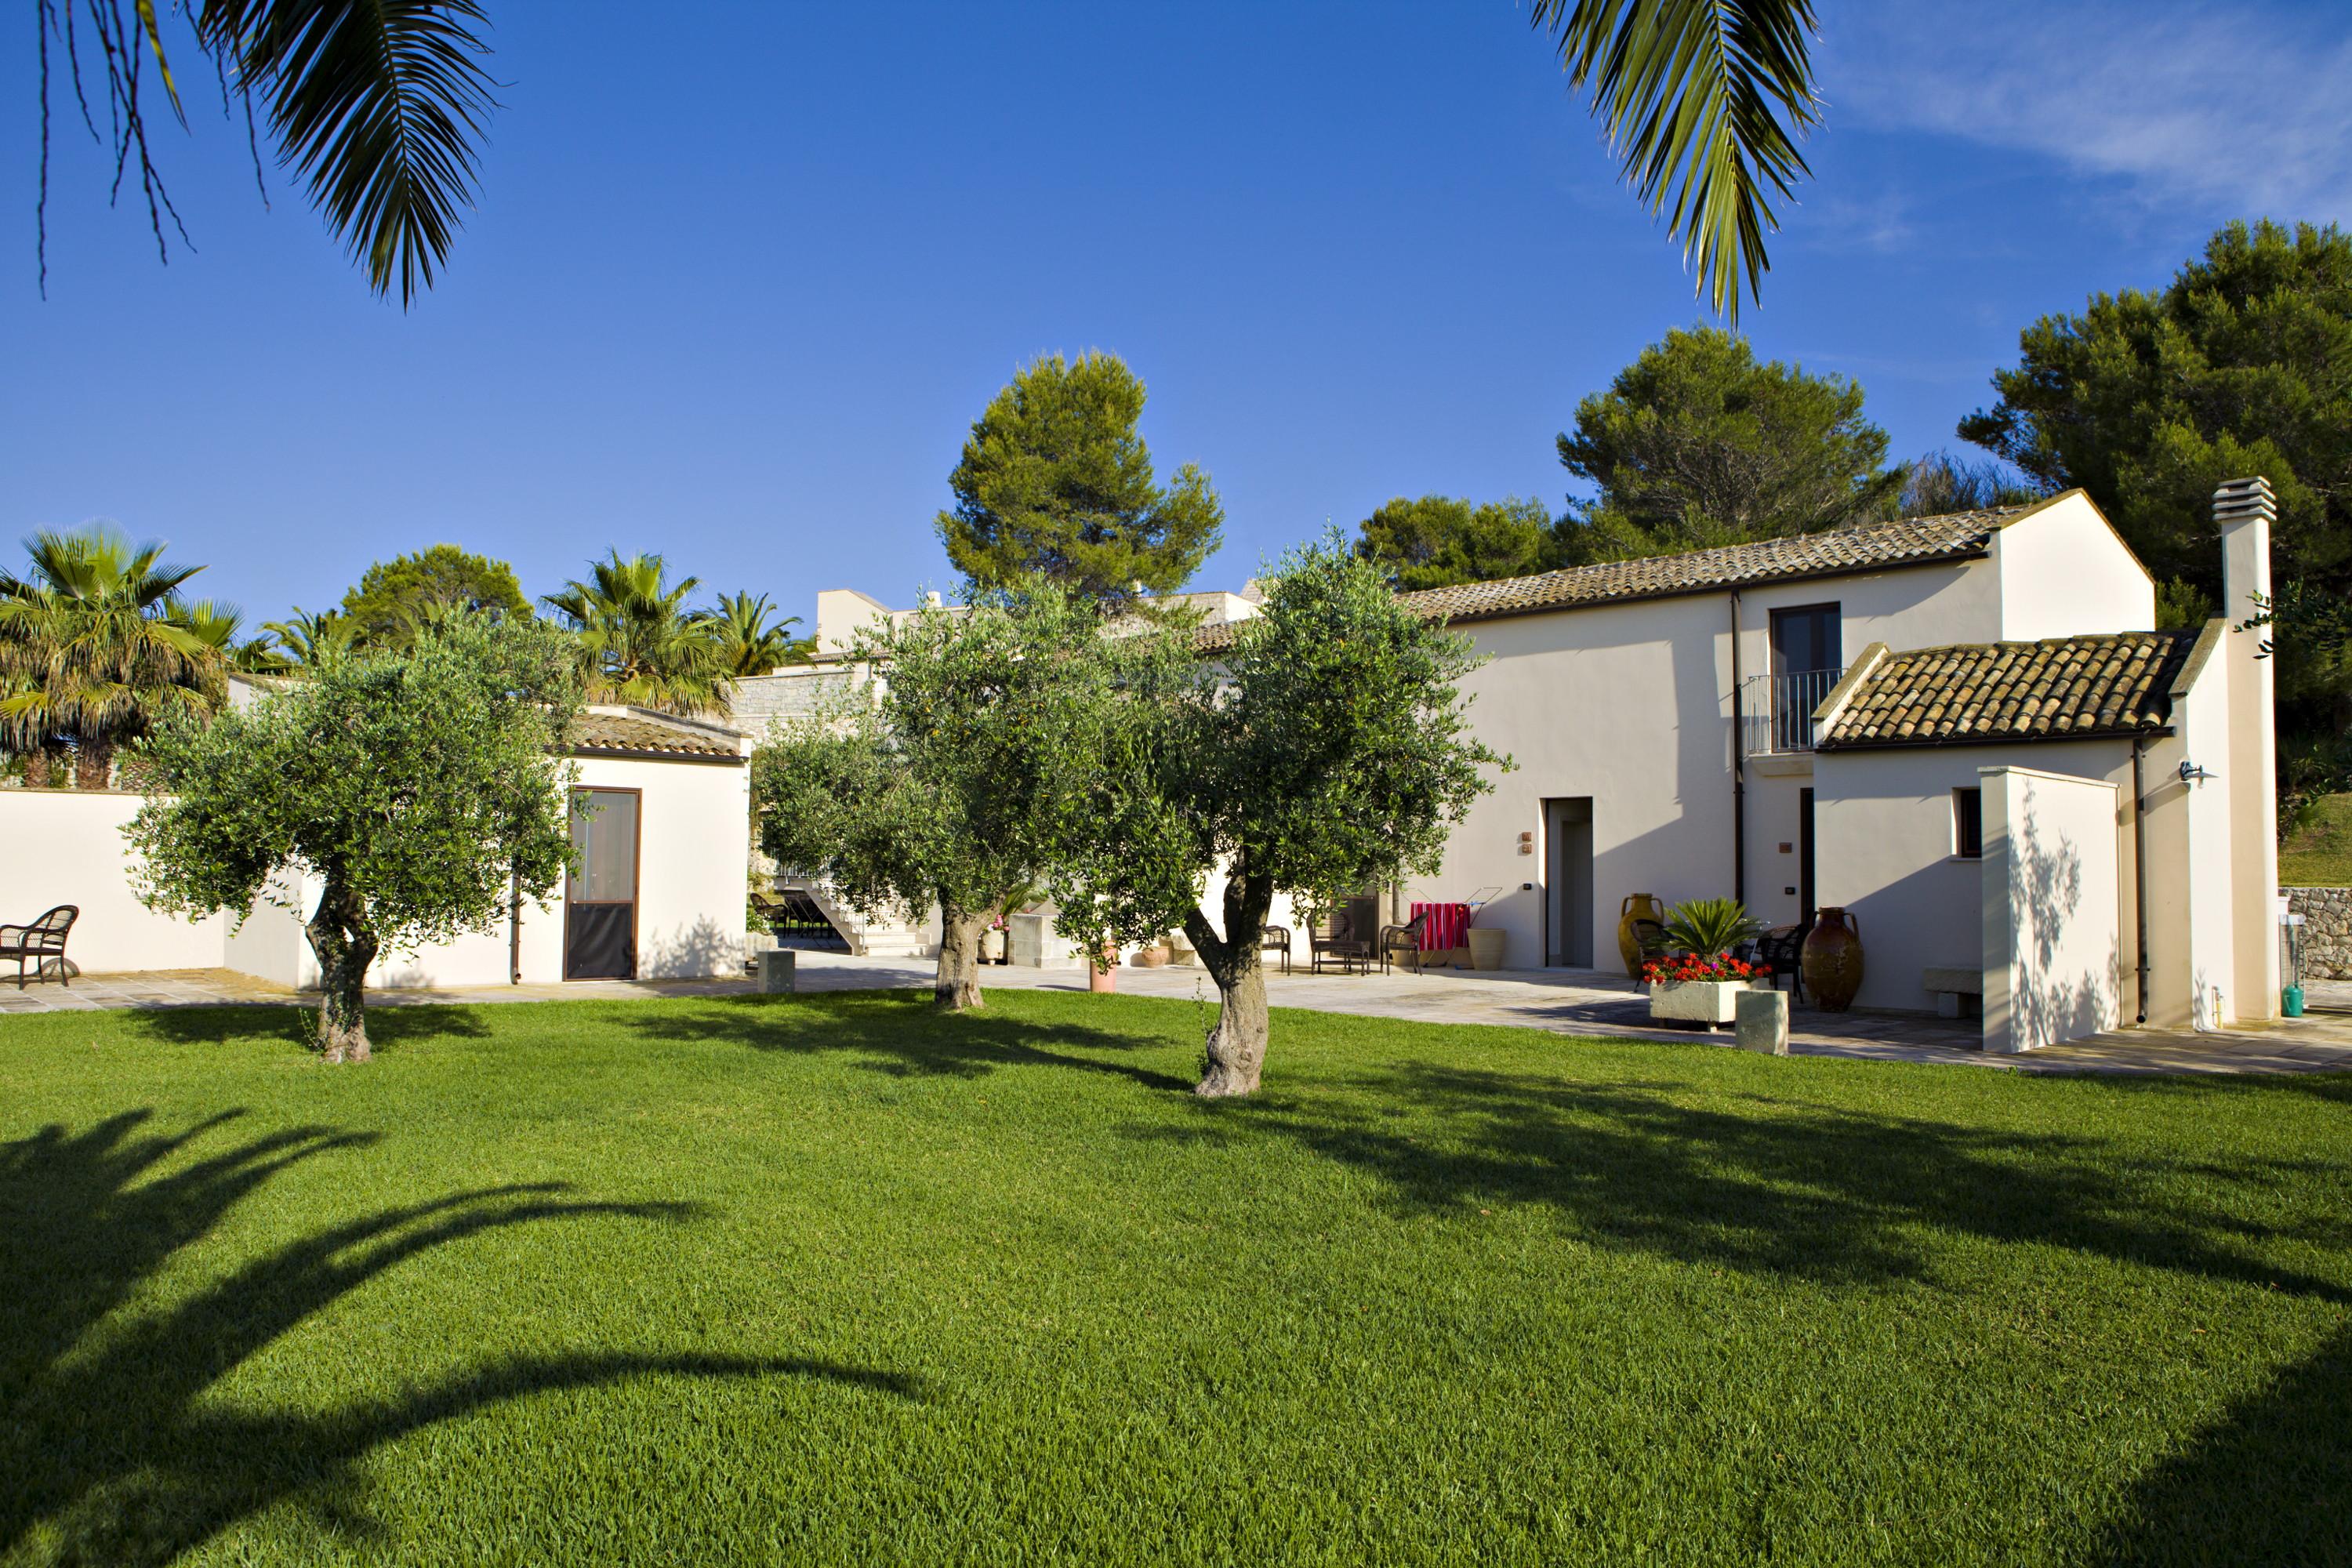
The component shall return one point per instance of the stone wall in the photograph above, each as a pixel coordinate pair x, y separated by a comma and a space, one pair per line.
2326, 931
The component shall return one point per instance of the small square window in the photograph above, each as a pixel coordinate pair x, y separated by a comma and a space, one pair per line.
1968, 824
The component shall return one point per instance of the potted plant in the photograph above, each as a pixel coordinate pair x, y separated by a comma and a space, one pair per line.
1154, 957
1699, 982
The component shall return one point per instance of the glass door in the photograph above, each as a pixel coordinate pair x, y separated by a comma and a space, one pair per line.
600, 896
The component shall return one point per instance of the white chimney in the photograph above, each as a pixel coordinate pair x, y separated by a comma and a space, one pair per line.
2244, 511
932, 599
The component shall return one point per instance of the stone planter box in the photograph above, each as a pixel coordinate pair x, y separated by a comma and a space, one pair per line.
1710, 1002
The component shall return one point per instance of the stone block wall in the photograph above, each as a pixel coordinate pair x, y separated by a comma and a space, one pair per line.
2326, 931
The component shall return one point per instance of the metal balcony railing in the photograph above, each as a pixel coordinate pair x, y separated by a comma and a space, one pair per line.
1777, 711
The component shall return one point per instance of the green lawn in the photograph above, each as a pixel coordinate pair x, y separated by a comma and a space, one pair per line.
830, 1279
2320, 855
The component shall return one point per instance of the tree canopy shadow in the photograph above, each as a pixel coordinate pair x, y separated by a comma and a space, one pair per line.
1770, 1184
110, 1453
388, 1026
900, 1033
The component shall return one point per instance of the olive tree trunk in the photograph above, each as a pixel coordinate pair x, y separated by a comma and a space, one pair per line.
958, 985
1237, 1040
346, 946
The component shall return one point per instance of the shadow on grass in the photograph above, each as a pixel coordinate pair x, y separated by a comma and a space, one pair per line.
388, 1027
110, 1452
898, 1033
2266, 1484
1768, 1185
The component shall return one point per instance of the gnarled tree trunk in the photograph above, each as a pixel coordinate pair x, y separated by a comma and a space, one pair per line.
1237, 1040
346, 946
958, 985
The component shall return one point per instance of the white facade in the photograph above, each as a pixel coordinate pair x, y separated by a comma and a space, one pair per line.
691, 847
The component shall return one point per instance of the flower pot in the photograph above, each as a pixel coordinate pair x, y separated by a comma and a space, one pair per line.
1486, 947
1710, 1002
1102, 978
1637, 907
1832, 961
1151, 957
992, 945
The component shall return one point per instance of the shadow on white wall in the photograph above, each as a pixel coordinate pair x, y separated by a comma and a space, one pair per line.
2045, 894
691, 951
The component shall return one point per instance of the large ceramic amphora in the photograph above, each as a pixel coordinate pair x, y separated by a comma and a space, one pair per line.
1832, 961
1637, 907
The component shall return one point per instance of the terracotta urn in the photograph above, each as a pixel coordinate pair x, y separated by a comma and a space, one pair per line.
1637, 907
1832, 960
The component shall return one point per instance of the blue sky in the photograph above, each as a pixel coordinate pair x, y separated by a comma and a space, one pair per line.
738, 286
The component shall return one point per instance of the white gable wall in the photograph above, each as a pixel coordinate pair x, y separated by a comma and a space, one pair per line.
2062, 571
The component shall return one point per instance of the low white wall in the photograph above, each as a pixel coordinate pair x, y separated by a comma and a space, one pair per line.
2053, 944
66, 846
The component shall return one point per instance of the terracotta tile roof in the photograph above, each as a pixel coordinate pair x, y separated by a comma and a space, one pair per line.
1960, 536
2062, 689
642, 732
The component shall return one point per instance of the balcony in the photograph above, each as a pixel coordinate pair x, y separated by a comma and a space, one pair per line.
1776, 711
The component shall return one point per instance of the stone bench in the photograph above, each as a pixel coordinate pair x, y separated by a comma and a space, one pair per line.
1949, 983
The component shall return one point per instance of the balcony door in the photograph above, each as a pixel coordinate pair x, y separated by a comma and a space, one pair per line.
600, 896
1808, 653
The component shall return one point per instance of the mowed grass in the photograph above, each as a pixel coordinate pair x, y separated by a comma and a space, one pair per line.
833, 1279
2320, 854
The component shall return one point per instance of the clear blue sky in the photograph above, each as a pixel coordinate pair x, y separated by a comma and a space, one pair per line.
740, 282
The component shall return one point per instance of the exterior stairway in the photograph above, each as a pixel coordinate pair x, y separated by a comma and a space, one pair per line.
866, 939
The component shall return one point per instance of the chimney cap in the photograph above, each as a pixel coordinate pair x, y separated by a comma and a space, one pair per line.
2239, 500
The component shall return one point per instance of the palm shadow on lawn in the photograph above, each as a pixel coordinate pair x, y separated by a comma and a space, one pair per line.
900, 1034
110, 1453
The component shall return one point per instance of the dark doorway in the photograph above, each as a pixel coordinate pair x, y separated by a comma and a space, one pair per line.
1567, 882
600, 896
1805, 854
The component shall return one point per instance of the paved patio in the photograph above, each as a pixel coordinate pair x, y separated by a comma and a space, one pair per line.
1565, 1002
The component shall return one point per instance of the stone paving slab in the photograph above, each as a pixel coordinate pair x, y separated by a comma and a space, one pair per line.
1565, 1002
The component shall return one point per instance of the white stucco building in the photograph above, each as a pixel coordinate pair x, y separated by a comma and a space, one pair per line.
661, 821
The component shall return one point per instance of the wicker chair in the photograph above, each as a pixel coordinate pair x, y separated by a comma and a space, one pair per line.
1333, 940
42, 941
1781, 950
1404, 941
1276, 939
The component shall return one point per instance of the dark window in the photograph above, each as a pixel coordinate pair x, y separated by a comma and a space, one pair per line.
1968, 824
1806, 640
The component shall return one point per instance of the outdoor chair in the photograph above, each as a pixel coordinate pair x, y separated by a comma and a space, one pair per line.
1333, 940
1653, 940
1781, 950
1404, 941
39, 942
1277, 940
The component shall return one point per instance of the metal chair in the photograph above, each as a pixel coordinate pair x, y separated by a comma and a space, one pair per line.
1276, 939
1404, 941
40, 942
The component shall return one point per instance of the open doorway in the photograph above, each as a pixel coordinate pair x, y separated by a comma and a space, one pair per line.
1567, 882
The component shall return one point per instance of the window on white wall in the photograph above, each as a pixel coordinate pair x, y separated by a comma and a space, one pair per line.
1968, 824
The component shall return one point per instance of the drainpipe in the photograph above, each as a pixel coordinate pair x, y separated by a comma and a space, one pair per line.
514, 930
1739, 770
2139, 870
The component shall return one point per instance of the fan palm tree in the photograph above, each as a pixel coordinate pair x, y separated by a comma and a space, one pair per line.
95, 643
381, 104
218, 625
638, 642
750, 642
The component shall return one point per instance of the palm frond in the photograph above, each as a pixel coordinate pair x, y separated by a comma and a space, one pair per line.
1702, 101
379, 104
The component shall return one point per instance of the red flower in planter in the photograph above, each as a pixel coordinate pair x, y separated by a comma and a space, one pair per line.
1691, 967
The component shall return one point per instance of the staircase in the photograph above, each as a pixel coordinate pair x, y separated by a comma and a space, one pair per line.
867, 939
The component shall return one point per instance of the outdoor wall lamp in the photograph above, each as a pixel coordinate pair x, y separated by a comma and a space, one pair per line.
2191, 773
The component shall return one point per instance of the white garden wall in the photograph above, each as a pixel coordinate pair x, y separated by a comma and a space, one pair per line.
66, 846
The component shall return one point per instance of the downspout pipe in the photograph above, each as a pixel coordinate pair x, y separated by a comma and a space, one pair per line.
1738, 769
2140, 872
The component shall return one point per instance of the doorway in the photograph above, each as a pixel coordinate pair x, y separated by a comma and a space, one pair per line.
600, 896
1567, 882
1805, 856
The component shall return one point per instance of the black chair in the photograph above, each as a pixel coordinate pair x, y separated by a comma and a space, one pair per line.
1333, 940
1276, 939
1781, 950
1653, 940
40, 942
1404, 941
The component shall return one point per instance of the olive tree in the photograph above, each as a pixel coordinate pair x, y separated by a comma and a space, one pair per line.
962, 774
1326, 748
418, 788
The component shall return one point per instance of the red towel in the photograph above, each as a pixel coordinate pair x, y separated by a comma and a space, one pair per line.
1447, 927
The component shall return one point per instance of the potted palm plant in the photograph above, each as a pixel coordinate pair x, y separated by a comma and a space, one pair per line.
1698, 980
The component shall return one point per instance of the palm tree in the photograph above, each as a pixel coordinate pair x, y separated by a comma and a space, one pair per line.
749, 643
380, 105
217, 624
638, 643
308, 637
95, 646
